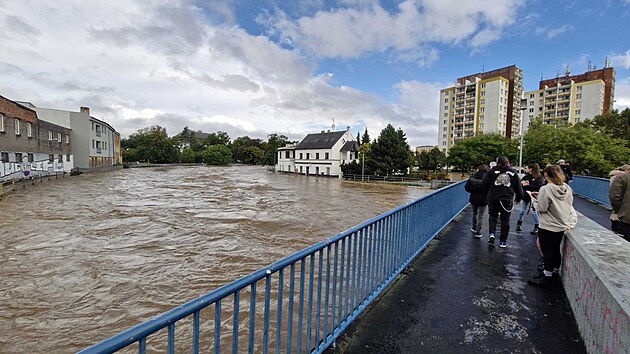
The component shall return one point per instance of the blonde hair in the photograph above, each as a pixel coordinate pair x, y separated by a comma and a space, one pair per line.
554, 174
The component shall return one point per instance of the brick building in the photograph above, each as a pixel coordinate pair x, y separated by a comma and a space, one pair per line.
30, 145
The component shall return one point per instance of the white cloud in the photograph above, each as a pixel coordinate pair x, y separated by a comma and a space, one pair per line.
622, 60
553, 32
369, 28
622, 94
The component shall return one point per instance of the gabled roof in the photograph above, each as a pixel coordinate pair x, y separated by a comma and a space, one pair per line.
350, 146
200, 135
320, 140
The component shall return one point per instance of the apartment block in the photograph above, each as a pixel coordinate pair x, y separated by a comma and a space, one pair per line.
487, 102
570, 99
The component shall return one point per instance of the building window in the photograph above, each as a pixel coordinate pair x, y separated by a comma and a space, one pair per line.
31, 158
481, 117
445, 115
483, 93
308, 155
93, 144
18, 157
300, 158
67, 138
1, 123
92, 125
5, 157
50, 135
446, 100
327, 155
483, 85
531, 103
60, 159
17, 126
482, 109
51, 158
29, 129
578, 96
445, 129
317, 156
531, 110
59, 137
532, 95
579, 88
578, 111
67, 158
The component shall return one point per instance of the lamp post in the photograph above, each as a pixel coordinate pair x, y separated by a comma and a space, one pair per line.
520, 147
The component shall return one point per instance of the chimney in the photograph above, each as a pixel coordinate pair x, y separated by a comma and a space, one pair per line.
348, 129
85, 110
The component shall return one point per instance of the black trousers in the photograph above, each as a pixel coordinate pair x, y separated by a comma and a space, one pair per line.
550, 246
624, 229
496, 207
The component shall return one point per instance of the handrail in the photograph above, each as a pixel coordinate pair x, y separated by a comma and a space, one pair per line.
337, 279
594, 188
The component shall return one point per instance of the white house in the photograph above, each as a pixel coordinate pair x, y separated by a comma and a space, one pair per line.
320, 154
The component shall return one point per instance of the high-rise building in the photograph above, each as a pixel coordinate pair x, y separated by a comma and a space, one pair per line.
571, 99
487, 102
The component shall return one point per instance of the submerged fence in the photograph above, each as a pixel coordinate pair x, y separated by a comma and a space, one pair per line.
592, 188
304, 302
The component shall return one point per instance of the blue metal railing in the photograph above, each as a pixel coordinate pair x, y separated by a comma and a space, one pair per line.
593, 188
329, 285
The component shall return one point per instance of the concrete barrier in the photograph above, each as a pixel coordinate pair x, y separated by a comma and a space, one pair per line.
596, 279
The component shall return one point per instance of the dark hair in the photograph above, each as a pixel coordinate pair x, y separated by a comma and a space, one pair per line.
554, 174
502, 162
535, 169
483, 167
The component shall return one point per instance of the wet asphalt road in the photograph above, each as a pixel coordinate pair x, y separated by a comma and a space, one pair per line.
463, 296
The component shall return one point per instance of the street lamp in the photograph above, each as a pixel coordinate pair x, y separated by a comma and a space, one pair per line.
520, 147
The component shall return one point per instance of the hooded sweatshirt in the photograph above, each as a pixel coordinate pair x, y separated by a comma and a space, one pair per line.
555, 207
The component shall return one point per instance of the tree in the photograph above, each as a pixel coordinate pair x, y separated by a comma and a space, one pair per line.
218, 155
471, 152
614, 124
358, 138
390, 152
242, 150
431, 160
186, 138
150, 144
218, 138
188, 155
366, 137
274, 142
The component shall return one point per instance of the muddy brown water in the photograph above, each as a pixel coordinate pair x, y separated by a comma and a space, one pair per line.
86, 257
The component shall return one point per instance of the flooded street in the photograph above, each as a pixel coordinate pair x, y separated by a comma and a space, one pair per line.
83, 258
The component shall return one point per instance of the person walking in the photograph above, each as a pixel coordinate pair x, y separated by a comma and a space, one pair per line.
614, 218
504, 189
478, 198
531, 182
554, 202
619, 195
566, 169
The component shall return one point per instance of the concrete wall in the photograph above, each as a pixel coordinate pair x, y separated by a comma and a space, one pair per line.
596, 278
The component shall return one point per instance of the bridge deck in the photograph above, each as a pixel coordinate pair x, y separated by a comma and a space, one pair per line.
463, 296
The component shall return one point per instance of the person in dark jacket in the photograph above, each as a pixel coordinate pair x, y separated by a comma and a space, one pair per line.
478, 199
566, 169
504, 189
531, 182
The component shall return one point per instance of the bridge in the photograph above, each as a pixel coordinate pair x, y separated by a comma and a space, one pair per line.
459, 295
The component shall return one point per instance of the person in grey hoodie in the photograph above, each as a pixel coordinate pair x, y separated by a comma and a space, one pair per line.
554, 203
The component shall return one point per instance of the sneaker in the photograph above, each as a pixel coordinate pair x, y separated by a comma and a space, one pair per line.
472, 229
541, 264
503, 244
491, 238
534, 232
518, 227
478, 235
541, 280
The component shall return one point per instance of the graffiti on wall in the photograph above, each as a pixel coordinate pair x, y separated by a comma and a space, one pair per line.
607, 325
11, 170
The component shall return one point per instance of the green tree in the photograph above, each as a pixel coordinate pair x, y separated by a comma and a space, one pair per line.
274, 142
218, 155
188, 155
471, 152
391, 152
366, 137
186, 138
151, 144
614, 124
242, 150
431, 160
218, 138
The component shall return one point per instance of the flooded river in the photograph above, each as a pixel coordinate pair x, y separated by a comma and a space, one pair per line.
84, 257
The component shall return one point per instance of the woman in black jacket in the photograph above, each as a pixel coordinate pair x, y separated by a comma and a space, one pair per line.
532, 181
478, 200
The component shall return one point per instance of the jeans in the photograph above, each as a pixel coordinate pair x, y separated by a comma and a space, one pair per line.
550, 246
496, 207
477, 216
524, 207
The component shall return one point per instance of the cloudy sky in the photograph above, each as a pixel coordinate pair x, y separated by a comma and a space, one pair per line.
291, 67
